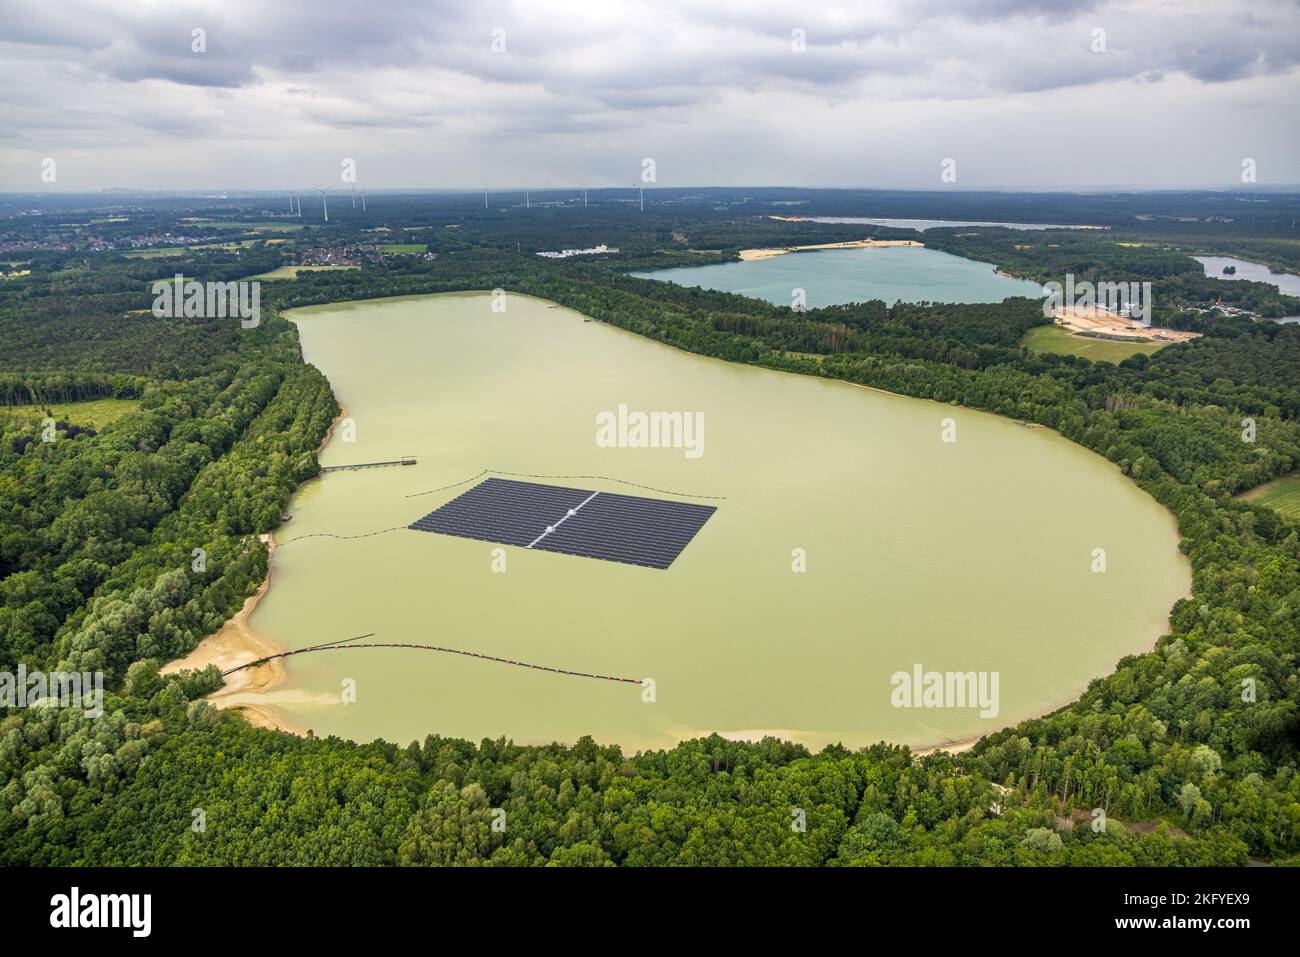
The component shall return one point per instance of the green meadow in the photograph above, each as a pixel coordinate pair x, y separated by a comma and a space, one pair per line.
96, 413
1282, 495
1057, 340
157, 253
291, 272
270, 227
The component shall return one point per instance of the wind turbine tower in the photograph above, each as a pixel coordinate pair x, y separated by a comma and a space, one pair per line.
325, 206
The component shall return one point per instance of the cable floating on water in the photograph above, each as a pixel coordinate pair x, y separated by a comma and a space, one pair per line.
382, 531
603, 478
443, 488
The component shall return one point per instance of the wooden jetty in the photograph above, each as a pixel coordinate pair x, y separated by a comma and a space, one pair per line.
409, 460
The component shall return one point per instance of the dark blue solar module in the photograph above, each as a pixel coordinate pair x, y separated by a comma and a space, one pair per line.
618, 528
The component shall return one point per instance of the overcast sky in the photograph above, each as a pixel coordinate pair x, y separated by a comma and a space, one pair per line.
1019, 93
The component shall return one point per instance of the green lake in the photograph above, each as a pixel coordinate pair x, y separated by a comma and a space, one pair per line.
833, 276
973, 555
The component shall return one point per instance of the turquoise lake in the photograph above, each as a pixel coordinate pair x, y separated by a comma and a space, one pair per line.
831, 277
1286, 283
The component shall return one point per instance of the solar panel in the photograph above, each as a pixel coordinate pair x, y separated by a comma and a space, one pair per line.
619, 528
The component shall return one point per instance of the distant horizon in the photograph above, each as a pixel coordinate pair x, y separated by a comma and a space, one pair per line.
201, 191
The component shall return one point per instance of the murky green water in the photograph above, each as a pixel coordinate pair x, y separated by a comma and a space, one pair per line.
832, 276
973, 555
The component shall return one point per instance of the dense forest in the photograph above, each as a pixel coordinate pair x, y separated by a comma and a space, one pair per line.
98, 526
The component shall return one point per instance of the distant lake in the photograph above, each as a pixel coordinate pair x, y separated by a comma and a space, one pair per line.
1286, 282
921, 225
831, 277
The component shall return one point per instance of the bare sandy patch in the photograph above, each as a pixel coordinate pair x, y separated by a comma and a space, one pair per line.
748, 255
252, 691
236, 643
1100, 321
952, 747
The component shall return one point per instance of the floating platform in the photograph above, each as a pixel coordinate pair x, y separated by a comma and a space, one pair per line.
649, 532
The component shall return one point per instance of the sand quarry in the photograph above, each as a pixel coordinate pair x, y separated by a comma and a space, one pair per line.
1098, 321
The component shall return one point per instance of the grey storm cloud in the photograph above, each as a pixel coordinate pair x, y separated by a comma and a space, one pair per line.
704, 45
89, 75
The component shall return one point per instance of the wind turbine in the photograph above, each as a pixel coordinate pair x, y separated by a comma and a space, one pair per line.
290, 204
485, 203
640, 188
363, 197
323, 201
354, 195
584, 195
527, 203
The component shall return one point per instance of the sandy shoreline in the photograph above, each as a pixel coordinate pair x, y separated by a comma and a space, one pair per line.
236, 643
748, 255
951, 747
785, 734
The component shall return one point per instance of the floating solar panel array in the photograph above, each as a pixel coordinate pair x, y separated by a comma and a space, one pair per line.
618, 528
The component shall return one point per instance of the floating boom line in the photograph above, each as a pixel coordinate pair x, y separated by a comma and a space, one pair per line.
343, 644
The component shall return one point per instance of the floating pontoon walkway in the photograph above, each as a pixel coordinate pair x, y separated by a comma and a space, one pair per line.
367, 465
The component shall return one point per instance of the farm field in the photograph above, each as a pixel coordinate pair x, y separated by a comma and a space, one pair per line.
96, 413
1057, 340
268, 227
1282, 495
291, 272
157, 253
